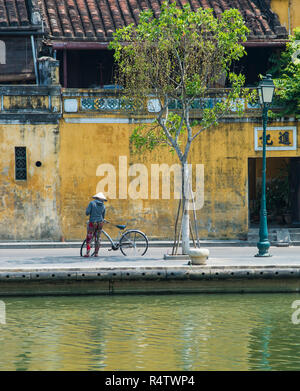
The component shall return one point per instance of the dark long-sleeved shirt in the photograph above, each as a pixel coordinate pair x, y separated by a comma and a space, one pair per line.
96, 210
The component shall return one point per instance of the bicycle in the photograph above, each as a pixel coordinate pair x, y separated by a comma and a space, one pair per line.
131, 242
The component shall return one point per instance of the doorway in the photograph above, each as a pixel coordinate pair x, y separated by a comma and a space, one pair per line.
282, 191
295, 191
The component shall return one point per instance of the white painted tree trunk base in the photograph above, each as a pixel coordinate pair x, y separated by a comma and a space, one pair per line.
198, 256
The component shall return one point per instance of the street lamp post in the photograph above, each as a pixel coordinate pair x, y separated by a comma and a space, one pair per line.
266, 90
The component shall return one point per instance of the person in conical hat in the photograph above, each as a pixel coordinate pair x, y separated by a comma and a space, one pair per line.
96, 211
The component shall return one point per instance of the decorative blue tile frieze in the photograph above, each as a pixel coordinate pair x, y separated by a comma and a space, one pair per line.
100, 104
87, 104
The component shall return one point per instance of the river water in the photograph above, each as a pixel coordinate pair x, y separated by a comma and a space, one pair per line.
159, 332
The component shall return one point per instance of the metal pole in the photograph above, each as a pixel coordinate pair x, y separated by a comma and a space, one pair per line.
34, 60
263, 245
195, 218
65, 69
176, 224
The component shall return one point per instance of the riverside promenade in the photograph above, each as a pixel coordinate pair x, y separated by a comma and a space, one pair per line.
57, 269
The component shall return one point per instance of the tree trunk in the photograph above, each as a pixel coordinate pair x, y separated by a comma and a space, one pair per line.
185, 212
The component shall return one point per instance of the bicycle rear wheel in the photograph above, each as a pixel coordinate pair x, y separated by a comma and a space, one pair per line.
133, 243
83, 247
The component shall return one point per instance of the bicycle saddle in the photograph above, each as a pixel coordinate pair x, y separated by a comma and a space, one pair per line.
121, 226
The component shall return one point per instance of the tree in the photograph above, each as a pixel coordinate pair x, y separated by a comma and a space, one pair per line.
179, 56
286, 76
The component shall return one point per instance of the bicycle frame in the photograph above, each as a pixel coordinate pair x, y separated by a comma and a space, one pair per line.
114, 244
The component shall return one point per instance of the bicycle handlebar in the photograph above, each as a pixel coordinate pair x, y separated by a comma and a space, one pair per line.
104, 221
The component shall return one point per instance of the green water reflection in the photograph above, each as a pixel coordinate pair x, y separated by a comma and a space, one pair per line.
169, 332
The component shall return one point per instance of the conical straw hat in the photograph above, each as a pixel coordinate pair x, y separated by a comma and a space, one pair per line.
101, 196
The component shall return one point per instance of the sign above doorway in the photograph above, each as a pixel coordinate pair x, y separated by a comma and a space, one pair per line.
279, 138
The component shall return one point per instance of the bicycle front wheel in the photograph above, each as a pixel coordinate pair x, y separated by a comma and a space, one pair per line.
134, 243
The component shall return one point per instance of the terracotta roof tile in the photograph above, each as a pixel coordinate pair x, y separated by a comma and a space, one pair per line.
53, 19
97, 19
65, 21
12, 13
143, 4
125, 9
155, 5
16, 14
87, 21
3, 15
75, 21
110, 23
22, 11
194, 4
135, 9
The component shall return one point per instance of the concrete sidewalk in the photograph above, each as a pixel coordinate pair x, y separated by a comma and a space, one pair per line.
56, 258
152, 243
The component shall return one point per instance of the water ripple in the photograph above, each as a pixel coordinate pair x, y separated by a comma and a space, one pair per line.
176, 332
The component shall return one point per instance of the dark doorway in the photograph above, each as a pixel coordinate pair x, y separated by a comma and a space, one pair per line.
282, 191
295, 191
256, 62
86, 68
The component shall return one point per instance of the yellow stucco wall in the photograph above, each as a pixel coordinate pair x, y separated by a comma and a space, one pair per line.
224, 151
288, 12
51, 203
29, 209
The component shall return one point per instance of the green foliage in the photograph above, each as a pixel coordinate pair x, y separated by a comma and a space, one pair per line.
180, 56
286, 76
144, 138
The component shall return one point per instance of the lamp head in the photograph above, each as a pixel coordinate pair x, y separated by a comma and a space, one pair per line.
266, 90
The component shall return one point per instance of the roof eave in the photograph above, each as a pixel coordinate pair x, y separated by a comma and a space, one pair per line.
61, 43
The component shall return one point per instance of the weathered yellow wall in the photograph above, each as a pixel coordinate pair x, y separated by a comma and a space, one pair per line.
29, 209
224, 151
287, 18
51, 203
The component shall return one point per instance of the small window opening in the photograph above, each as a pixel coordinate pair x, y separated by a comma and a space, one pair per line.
20, 163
